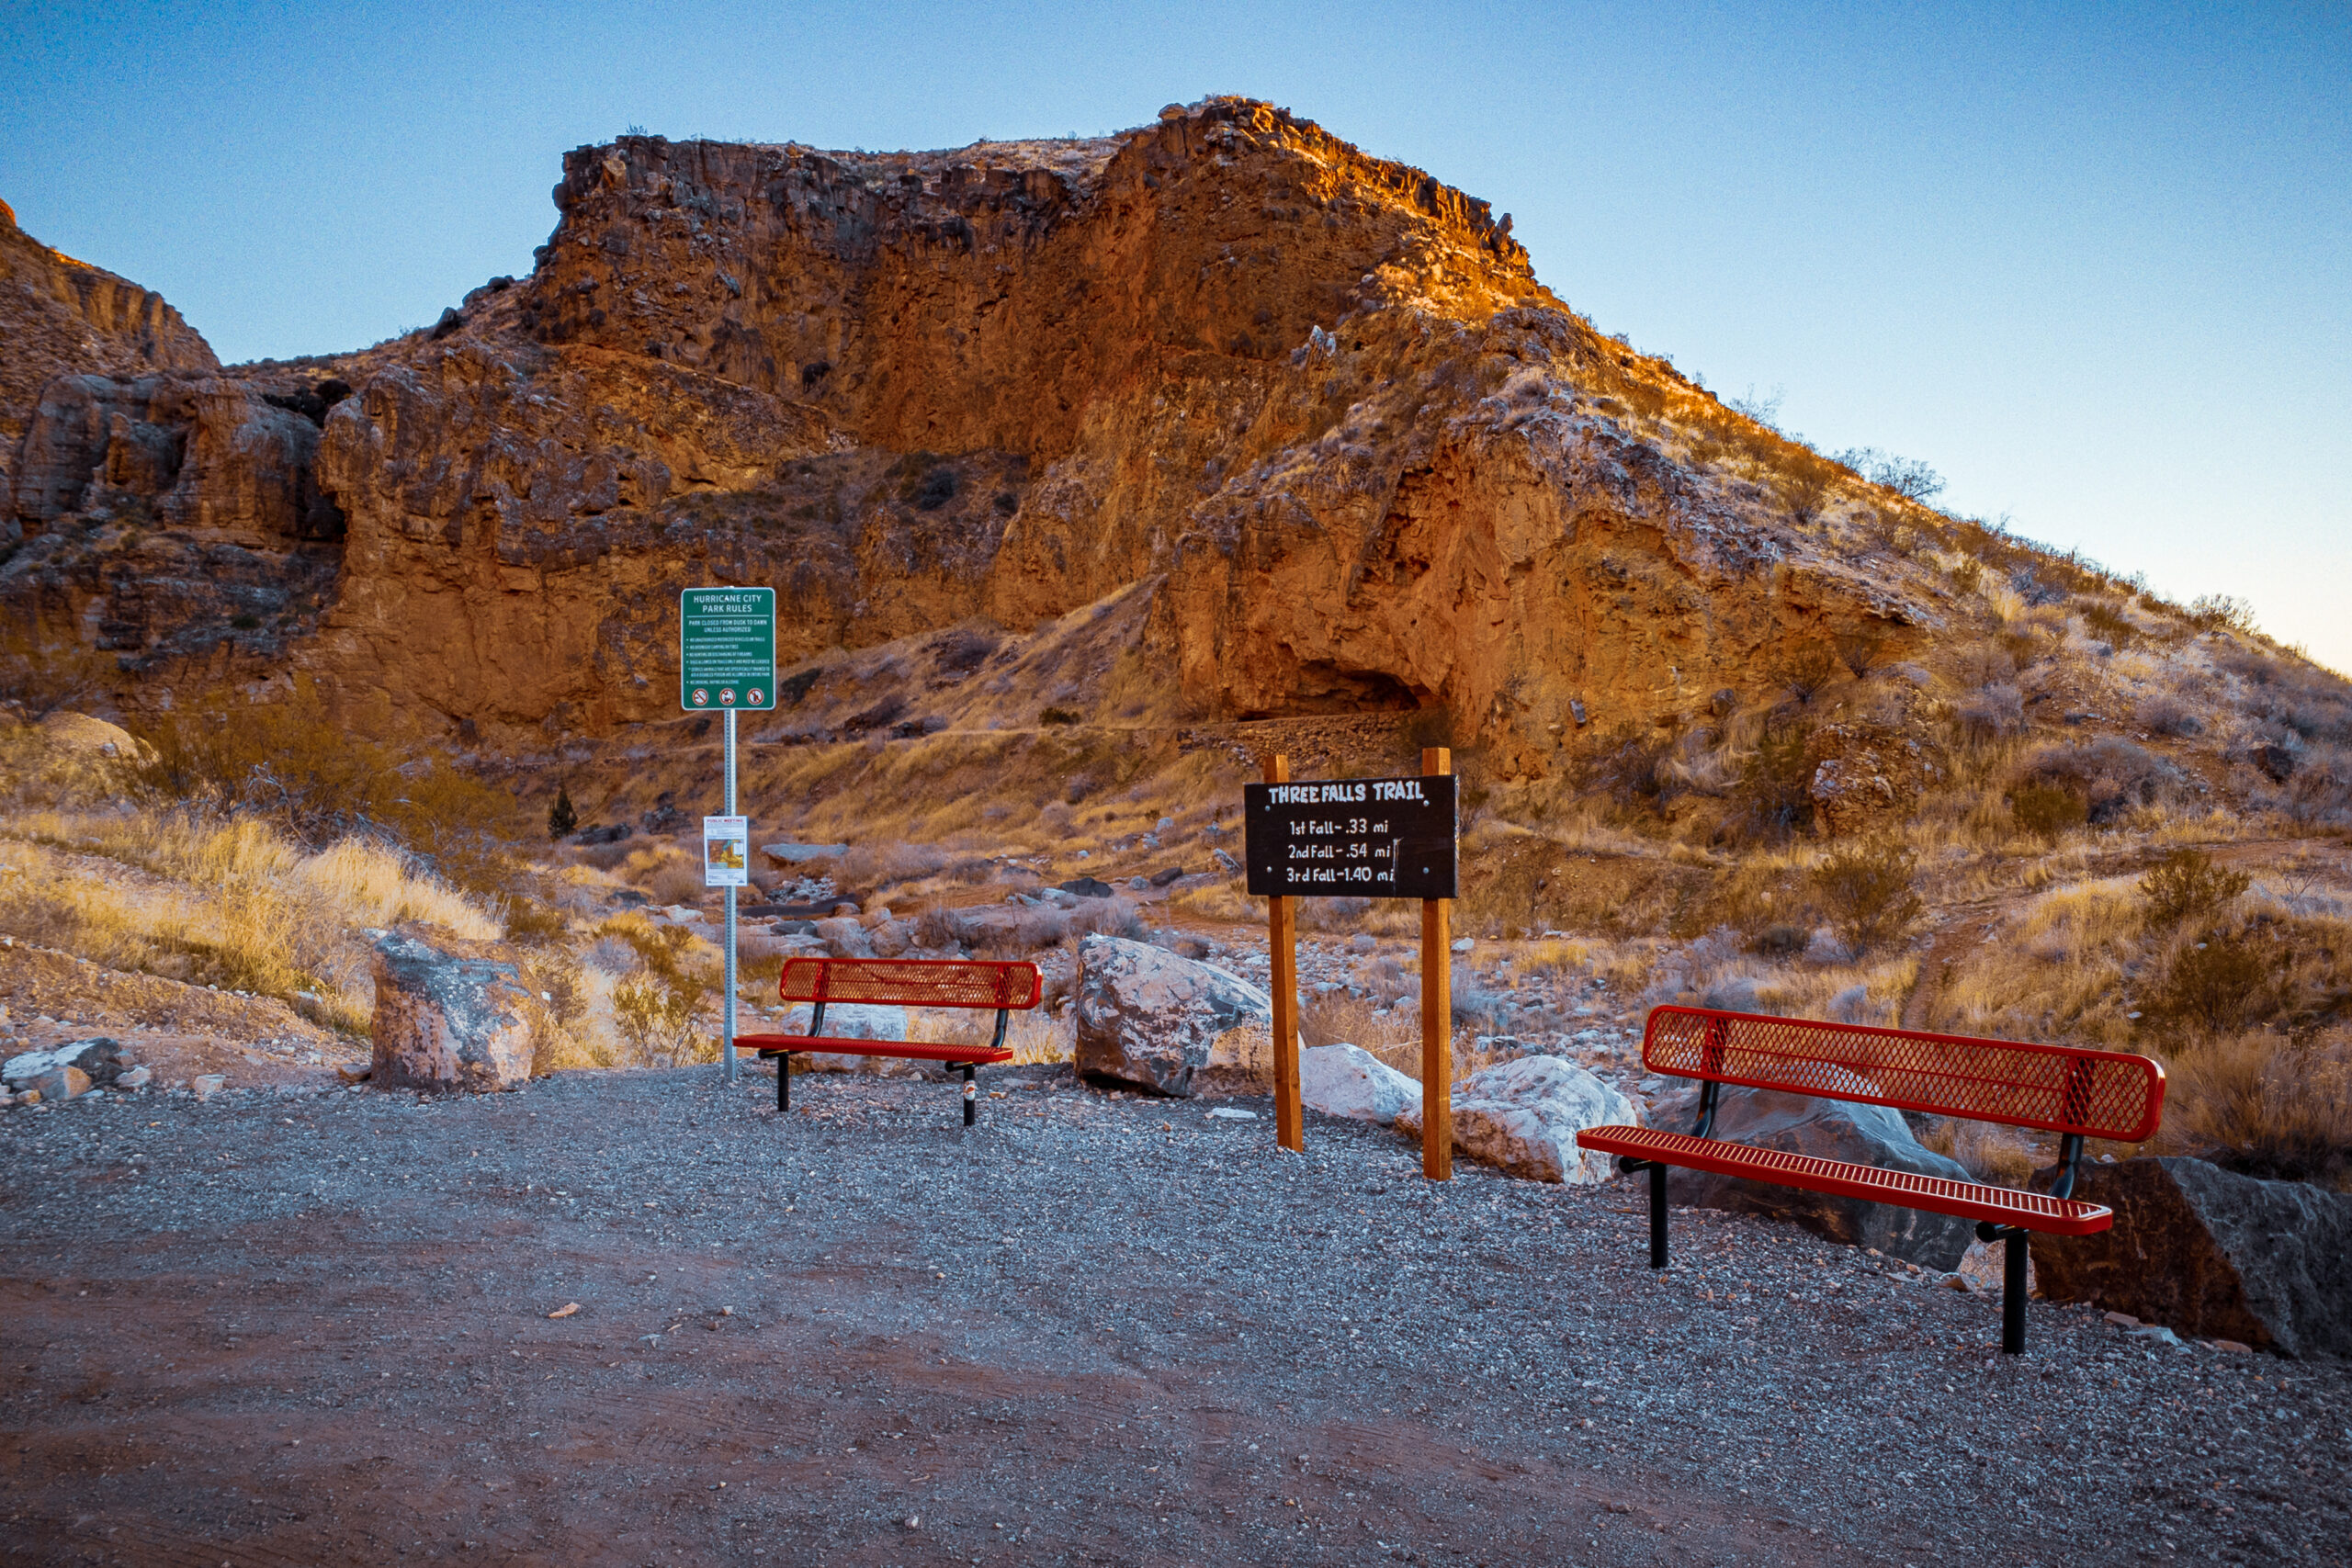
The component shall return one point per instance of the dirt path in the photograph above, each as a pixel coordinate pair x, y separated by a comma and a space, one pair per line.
302, 1329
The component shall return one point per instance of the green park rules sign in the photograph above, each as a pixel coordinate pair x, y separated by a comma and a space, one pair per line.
726, 649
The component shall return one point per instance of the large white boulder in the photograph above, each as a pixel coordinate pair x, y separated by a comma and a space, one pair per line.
852, 1020
1523, 1118
1149, 1019
1348, 1080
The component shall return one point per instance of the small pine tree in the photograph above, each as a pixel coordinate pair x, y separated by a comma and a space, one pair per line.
561, 819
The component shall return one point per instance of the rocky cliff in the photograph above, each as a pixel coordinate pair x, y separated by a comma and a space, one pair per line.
1314, 403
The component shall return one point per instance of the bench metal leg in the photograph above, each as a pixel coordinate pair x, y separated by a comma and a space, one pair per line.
783, 1082
1658, 1216
971, 1094
2013, 1294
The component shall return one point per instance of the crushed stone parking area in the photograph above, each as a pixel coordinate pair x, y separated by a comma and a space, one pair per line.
309, 1326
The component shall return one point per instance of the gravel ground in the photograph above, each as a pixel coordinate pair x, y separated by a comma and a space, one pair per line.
310, 1327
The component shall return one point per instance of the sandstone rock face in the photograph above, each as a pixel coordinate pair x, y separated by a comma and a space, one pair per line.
1350, 1081
1315, 402
59, 316
1149, 1019
1828, 1129
445, 1022
2212, 1253
1523, 1118
1308, 407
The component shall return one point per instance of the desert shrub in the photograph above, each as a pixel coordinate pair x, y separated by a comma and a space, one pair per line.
1982, 663
1991, 712
2220, 612
1807, 672
2187, 884
1775, 783
2113, 775
1802, 485
563, 820
2210, 985
1859, 649
1626, 767
2108, 623
2165, 714
1867, 889
656, 1008
1107, 916
289, 762
1332, 914
963, 650
1059, 715
2048, 810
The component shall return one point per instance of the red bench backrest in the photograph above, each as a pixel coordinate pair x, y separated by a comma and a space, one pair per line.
2060, 1089
911, 982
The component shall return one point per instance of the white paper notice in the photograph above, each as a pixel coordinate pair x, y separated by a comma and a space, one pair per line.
726, 852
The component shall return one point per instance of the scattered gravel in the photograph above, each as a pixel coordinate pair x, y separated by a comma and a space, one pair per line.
322, 1326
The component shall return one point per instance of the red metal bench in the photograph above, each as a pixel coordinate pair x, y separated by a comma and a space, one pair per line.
898, 982
2064, 1090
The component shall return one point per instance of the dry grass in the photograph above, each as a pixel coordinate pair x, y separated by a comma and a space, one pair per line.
2263, 1103
234, 904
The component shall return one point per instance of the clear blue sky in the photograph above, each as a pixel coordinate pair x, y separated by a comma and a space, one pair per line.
2094, 263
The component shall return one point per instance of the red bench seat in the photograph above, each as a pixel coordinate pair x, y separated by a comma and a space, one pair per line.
2069, 1090
1007, 988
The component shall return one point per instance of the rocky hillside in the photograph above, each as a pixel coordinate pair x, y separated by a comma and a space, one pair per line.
1314, 403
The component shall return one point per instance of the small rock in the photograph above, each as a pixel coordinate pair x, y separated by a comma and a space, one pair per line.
61, 1083
133, 1078
1087, 887
1464, 945
1228, 1113
2122, 1319
1225, 862
1139, 883
1162, 878
1165, 825
204, 1086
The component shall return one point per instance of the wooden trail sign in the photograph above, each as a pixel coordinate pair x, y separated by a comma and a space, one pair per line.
1350, 838
1359, 837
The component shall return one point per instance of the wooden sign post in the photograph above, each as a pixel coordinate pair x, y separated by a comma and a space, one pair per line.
1358, 837
1437, 1016
1282, 945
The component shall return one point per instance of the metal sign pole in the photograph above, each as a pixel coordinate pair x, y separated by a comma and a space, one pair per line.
728, 1007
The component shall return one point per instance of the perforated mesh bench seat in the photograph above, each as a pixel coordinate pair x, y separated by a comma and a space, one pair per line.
912, 1050
1962, 1199
1008, 987
2066, 1090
